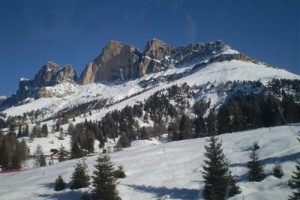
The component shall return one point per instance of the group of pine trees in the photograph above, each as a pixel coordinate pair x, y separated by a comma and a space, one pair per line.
103, 179
12, 152
220, 184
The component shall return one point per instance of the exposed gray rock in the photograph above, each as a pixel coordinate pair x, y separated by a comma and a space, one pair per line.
117, 61
49, 75
153, 56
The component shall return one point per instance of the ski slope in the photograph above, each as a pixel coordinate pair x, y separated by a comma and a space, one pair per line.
172, 170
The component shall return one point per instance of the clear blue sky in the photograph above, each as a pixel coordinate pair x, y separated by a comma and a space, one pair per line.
74, 32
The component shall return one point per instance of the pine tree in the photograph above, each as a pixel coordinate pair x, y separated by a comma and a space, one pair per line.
119, 173
277, 170
76, 151
15, 159
44, 130
185, 127
219, 183
59, 184
42, 160
256, 170
124, 140
296, 182
104, 181
224, 121
80, 177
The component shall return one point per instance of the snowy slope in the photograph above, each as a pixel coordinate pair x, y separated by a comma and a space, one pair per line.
172, 170
115, 92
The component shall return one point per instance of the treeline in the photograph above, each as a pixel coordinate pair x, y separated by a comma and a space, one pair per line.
12, 152
249, 105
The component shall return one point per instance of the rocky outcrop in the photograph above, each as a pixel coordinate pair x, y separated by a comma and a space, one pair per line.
49, 75
117, 61
124, 62
154, 56
157, 49
52, 74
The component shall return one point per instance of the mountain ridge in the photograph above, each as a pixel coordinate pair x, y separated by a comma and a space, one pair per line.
161, 65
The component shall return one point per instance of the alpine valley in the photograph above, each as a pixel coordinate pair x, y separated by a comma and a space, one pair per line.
153, 110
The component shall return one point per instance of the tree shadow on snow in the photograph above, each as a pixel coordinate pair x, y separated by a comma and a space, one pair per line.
177, 193
63, 195
271, 160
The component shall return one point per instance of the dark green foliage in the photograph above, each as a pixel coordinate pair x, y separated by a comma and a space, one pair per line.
296, 183
233, 188
277, 170
211, 124
158, 106
124, 140
219, 183
119, 173
104, 180
59, 184
83, 136
173, 130
80, 177
255, 146
200, 107
224, 122
185, 128
44, 130
85, 196
15, 160
76, 151
42, 160
12, 152
200, 129
256, 170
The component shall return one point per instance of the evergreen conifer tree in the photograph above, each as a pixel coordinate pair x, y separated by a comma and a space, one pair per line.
296, 182
104, 181
59, 184
219, 183
76, 151
277, 170
256, 170
80, 177
42, 160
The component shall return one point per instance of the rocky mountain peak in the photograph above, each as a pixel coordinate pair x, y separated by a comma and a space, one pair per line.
46, 73
157, 49
117, 61
49, 75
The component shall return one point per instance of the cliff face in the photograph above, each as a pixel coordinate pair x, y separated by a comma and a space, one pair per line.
124, 62
117, 61
49, 75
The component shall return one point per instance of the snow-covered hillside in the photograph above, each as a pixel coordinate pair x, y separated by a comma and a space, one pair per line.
115, 92
172, 170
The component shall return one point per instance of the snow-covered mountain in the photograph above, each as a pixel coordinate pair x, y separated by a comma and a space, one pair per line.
122, 75
176, 93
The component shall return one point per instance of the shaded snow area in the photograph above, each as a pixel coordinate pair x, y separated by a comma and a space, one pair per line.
157, 169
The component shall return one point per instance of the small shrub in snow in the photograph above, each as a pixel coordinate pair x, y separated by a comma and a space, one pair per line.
119, 173
277, 170
59, 184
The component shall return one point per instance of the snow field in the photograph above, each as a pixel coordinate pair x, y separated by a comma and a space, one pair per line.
172, 170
